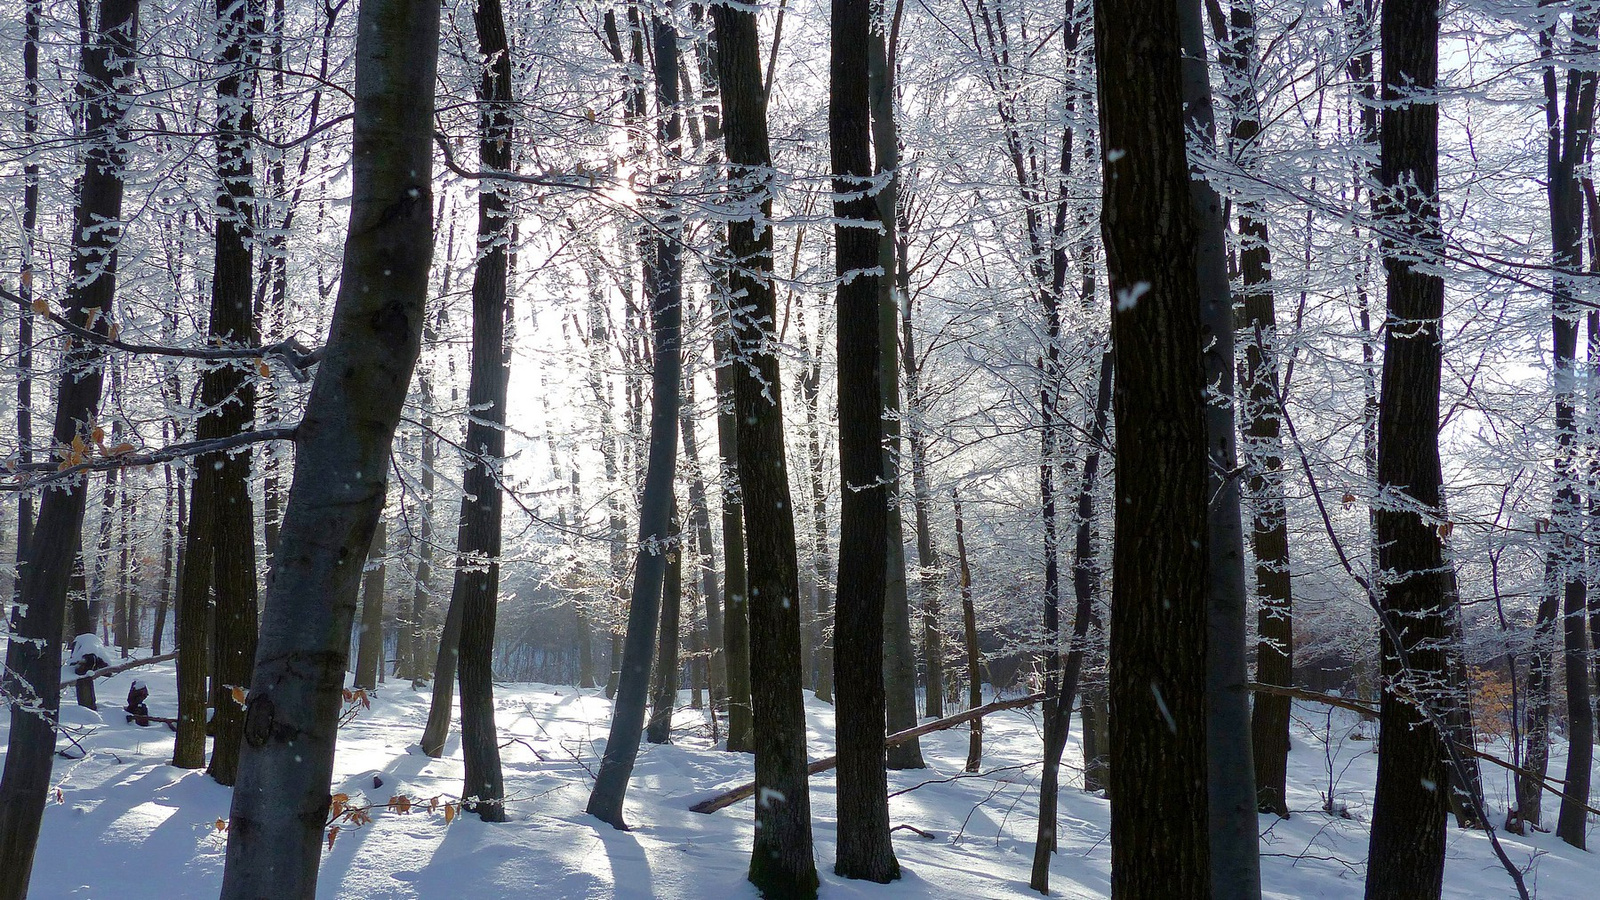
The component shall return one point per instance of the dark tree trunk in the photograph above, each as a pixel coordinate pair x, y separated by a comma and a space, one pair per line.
665, 697
663, 283
1159, 584
736, 622
928, 575
420, 670
1569, 122
281, 800
781, 862
900, 661
1406, 854
860, 653
442, 698
477, 581
25, 277
969, 621
1263, 442
33, 656
164, 584
369, 630
705, 561
1235, 858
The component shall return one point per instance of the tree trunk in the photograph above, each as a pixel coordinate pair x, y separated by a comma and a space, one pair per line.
369, 631
25, 277
1263, 443
928, 575
33, 655
1406, 855
1159, 583
705, 560
736, 622
781, 862
1235, 857
665, 697
861, 658
1569, 123
822, 575
900, 662
281, 800
663, 283
969, 621
437, 730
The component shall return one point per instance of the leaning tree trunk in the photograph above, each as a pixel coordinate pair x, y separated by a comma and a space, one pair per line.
664, 284
969, 622
781, 862
1406, 854
1235, 857
281, 800
33, 655
1159, 583
865, 850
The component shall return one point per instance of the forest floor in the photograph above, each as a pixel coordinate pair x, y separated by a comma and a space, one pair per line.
124, 825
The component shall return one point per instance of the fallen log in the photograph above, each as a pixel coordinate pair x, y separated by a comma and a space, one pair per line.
748, 790
118, 669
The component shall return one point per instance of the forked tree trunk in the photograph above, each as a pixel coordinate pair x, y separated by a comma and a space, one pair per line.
280, 802
781, 861
33, 655
1159, 583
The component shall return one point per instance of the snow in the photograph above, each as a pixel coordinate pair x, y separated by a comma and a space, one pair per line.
129, 826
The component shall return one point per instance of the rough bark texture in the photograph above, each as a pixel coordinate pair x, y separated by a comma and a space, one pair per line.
781, 863
736, 620
33, 656
281, 800
663, 283
865, 850
1159, 585
1406, 854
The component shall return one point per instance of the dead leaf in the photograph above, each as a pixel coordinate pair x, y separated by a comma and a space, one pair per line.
263, 369
41, 306
238, 694
449, 812
121, 449
332, 833
222, 824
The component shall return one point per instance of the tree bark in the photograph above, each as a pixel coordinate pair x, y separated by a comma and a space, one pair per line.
1406, 855
33, 655
369, 633
781, 862
969, 621
281, 800
663, 283
1235, 857
1159, 584
664, 700
705, 558
861, 655
1263, 442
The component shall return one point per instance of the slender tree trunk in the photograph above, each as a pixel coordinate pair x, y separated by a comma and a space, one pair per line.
280, 802
781, 862
1569, 122
928, 575
1263, 443
1536, 727
736, 623
1406, 855
821, 563
164, 585
969, 621
900, 662
665, 697
369, 631
705, 562
437, 730
1159, 584
33, 655
25, 278
1235, 859
663, 282
420, 598
861, 657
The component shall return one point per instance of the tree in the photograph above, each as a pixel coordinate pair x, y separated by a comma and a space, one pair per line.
664, 285
781, 863
1406, 855
281, 799
865, 850
1159, 586
33, 655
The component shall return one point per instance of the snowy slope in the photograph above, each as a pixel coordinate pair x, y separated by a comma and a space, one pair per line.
129, 827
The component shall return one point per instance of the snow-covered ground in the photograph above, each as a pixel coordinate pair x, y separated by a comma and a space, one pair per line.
127, 826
